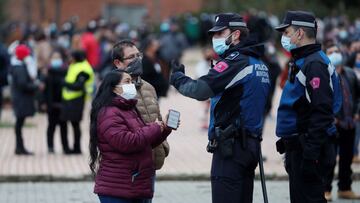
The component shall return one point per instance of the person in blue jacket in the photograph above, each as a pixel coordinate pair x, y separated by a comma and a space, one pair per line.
238, 87
306, 114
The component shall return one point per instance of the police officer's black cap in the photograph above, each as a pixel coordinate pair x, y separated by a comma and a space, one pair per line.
297, 18
227, 20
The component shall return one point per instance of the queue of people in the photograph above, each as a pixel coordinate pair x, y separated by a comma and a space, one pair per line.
317, 117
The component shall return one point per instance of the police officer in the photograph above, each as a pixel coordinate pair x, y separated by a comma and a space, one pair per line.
305, 120
238, 86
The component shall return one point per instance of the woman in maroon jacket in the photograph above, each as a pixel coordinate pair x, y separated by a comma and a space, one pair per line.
121, 143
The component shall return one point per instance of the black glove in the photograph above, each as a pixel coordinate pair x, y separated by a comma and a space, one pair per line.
310, 170
176, 66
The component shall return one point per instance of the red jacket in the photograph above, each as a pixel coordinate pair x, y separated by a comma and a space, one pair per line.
92, 48
125, 143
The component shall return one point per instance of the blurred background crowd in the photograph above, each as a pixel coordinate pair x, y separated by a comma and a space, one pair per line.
55, 32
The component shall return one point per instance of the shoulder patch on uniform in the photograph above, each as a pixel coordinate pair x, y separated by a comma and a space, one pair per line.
233, 55
315, 83
221, 66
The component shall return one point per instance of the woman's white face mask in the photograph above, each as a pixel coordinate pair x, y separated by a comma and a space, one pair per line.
128, 91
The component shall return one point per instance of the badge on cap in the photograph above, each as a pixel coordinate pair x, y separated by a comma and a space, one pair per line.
217, 19
315, 83
221, 66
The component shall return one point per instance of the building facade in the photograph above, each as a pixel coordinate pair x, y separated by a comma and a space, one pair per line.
131, 11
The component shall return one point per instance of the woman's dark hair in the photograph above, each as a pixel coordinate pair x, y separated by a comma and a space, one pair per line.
103, 98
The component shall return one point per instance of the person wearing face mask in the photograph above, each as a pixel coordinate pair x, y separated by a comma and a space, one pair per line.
121, 142
345, 123
53, 87
77, 87
305, 119
23, 90
238, 86
127, 57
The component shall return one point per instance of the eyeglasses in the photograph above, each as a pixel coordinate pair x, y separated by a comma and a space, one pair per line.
132, 56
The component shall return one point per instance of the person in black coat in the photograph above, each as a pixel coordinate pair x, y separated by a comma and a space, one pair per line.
72, 110
4, 65
152, 72
23, 90
53, 81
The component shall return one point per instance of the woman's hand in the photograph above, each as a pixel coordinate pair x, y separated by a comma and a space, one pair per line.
161, 124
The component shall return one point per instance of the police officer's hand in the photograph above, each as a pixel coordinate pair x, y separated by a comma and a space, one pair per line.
176, 66
310, 169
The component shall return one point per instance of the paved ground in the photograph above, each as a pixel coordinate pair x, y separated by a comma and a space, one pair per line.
187, 158
166, 192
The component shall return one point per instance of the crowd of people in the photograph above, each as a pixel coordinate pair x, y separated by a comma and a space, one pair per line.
125, 70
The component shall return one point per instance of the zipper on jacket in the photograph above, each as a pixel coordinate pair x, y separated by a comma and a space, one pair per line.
134, 175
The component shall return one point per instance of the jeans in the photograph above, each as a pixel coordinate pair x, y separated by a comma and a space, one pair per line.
153, 186
110, 199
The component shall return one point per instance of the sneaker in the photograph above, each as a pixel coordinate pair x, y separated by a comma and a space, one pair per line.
348, 194
328, 196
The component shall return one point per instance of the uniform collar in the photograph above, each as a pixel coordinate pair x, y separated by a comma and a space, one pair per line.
305, 51
249, 46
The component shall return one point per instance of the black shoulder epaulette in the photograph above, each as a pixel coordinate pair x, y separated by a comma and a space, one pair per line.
232, 56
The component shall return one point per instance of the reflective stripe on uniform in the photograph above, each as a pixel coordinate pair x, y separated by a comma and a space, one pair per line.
302, 79
242, 74
331, 70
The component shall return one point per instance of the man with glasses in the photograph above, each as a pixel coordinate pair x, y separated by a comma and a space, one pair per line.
126, 56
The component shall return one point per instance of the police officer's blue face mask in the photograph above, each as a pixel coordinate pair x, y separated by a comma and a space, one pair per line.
286, 42
220, 45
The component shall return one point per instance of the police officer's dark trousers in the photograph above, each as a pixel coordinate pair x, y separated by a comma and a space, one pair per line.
232, 179
307, 188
